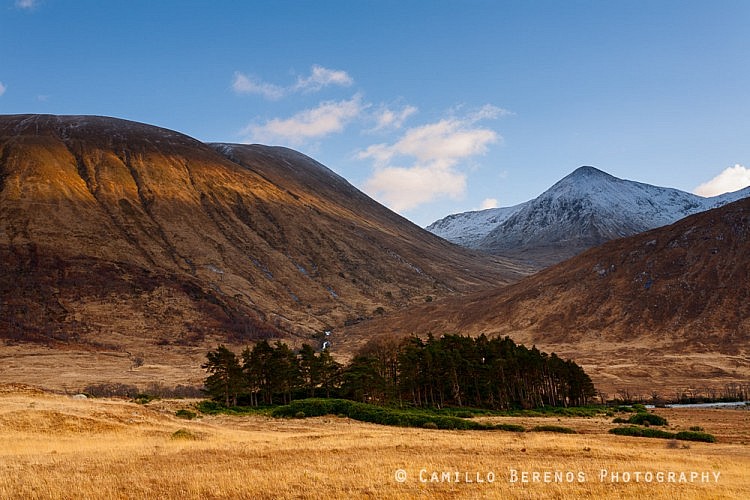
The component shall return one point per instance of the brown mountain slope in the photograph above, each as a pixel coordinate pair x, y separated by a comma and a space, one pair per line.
665, 310
125, 237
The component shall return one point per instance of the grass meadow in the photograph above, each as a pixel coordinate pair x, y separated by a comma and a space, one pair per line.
54, 446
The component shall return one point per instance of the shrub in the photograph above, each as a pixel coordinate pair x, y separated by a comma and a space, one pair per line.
186, 414
142, 399
657, 433
210, 407
695, 436
183, 434
300, 414
641, 432
647, 418
554, 428
430, 425
509, 427
696, 428
316, 407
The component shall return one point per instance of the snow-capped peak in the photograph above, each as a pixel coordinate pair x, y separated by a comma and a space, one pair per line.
584, 209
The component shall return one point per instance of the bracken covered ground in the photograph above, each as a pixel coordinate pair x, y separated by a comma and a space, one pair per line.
55, 446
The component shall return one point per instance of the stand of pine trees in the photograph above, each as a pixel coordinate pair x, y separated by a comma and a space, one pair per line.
450, 371
269, 374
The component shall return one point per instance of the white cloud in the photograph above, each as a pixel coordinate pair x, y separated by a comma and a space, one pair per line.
322, 77
244, 84
488, 112
328, 118
3, 88
731, 179
435, 151
388, 119
489, 203
404, 188
319, 78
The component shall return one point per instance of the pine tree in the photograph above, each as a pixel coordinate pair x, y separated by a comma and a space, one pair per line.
310, 369
226, 380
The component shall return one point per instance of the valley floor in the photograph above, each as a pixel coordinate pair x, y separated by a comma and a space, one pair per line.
56, 446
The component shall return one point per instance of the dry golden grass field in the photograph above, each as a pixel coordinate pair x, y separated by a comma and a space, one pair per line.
54, 446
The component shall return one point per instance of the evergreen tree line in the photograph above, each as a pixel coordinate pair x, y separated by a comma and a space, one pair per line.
438, 372
269, 374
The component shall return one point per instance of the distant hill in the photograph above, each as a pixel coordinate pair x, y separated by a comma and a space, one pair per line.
584, 209
127, 238
665, 310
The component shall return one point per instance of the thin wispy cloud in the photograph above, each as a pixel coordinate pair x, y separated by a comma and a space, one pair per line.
319, 78
243, 84
389, 119
3, 88
731, 179
323, 77
327, 118
27, 4
424, 164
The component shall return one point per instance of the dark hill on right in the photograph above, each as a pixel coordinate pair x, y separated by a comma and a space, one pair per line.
665, 311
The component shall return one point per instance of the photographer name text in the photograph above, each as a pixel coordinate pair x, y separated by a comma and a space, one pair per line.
517, 476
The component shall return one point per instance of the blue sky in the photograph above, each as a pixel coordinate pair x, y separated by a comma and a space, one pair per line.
431, 107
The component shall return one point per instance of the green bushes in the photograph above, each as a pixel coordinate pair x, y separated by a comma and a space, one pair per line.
314, 407
509, 427
632, 430
216, 408
382, 415
186, 414
642, 418
555, 411
210, 407
143, 399
658, 433
695, 436
554, 428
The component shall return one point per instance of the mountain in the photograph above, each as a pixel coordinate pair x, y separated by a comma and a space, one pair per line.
665, 311
126, 238
468, 229
584, 209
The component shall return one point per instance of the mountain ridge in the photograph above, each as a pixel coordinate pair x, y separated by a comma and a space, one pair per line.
582, 210
663, 310
124, 238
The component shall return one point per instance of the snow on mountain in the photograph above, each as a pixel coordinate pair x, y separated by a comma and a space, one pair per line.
468, 228
584, 209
